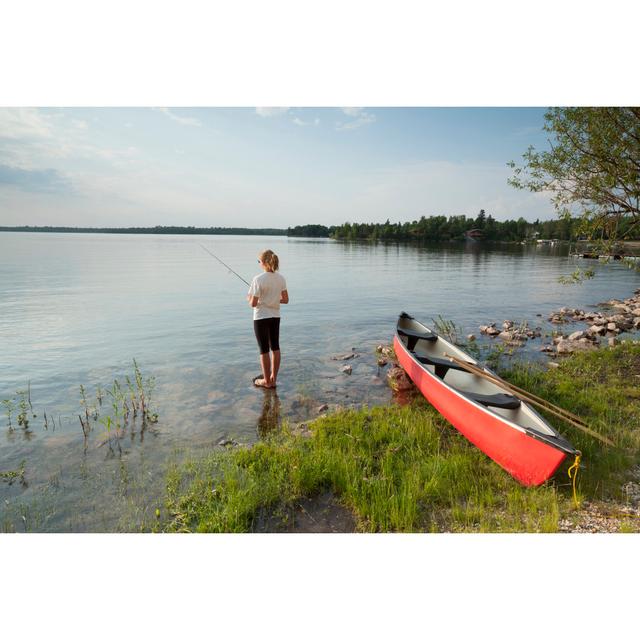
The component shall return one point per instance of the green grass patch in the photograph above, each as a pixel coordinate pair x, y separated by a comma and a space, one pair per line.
406, 469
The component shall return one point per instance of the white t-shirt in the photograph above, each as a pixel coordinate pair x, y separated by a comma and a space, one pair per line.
267, 287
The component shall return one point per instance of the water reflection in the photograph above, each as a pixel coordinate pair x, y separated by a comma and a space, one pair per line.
270, 417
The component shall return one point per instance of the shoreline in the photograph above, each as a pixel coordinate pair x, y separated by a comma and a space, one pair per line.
402, 467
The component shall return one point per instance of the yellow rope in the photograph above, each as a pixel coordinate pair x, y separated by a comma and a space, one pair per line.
573, 474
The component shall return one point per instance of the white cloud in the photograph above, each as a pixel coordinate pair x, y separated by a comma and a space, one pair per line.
360, 118
269, 112
302, 123
189, 122
23, 123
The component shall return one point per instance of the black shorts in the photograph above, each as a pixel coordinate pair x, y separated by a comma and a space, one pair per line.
267, 333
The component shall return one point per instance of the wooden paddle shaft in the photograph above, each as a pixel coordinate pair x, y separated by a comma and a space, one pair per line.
527, 397
512, 387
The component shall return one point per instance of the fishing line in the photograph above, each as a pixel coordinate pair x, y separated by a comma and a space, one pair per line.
226, 265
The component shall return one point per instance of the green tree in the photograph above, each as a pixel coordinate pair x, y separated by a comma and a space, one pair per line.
592, 168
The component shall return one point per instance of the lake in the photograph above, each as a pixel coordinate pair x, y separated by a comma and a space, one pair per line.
78, 308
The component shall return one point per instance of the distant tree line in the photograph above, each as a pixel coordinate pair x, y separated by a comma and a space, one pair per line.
431, 229
310, 231
237, 231
455, 228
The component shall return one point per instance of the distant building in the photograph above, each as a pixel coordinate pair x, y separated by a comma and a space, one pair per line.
474, 234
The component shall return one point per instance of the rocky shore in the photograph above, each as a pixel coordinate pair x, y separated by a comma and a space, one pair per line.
617, 316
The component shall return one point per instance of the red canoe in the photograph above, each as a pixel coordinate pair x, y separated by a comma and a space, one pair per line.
507, 429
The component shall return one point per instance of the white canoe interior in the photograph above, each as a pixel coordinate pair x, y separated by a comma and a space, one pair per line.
465, 382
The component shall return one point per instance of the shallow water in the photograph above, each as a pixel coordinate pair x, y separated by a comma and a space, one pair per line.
77, 308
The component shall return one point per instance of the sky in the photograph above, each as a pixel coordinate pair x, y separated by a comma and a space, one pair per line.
262, 167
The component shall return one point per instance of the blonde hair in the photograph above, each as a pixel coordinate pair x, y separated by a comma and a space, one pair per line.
270, 260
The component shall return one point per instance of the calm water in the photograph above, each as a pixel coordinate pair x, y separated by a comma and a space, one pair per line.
77, 308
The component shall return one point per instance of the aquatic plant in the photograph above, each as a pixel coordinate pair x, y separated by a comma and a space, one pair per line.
23, 418
577, 277
145, 390
9, 407
11, 476
446, 328
84, 404
140, 386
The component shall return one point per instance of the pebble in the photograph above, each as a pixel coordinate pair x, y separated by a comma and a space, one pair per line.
347, 368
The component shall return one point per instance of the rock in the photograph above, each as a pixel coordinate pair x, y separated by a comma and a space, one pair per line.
386, 351
346, 369
553, 365
301, 429
506, 335
398, 380
597, 330
343, 356
492, 331
611, 326
636, 323
322, 408
507, 324
636, 312
564, 346
622, 307
227, 442
382, 362
599, 320
547, 348
613, 342
471, 337
576, 335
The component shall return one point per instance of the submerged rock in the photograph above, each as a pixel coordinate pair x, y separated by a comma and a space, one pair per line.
344, 356
398, 380
347, 368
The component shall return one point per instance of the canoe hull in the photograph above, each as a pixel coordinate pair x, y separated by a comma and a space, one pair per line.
528, 460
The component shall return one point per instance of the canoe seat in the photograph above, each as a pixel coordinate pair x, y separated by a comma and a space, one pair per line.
498, 400
414, 336
441, 365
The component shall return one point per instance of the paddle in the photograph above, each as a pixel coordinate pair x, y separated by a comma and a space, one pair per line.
565, 415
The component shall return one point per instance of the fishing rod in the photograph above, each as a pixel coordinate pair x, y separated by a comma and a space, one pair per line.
226, 265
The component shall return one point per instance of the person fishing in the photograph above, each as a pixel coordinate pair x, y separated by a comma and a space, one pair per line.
266, 293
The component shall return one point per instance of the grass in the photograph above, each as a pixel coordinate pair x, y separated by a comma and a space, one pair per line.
406, 469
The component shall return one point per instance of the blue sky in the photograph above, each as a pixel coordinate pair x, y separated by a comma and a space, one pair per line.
264, 167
